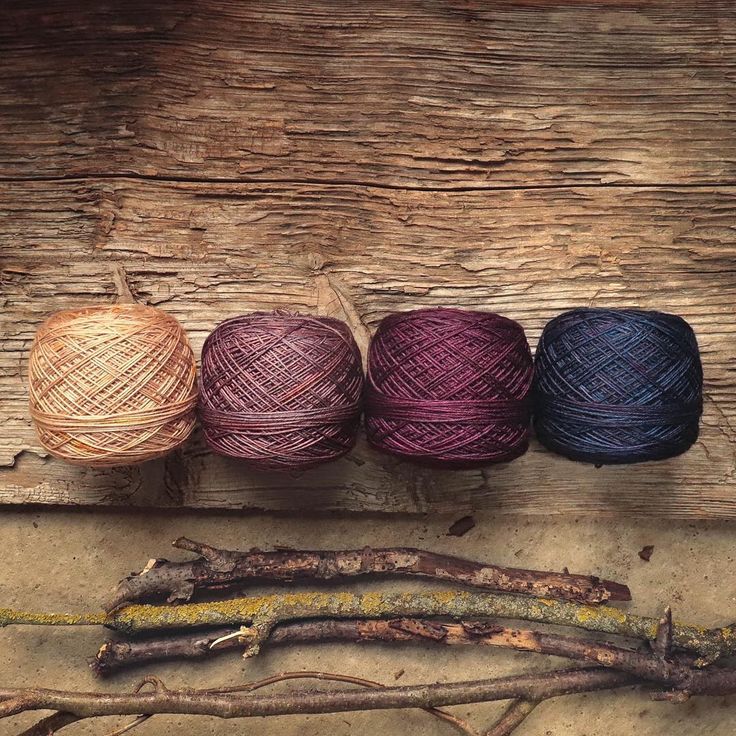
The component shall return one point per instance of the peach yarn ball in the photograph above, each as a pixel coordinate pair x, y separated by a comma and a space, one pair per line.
112, 385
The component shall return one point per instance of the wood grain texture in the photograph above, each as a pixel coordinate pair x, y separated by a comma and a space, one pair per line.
360, 158
206, 252
411, 94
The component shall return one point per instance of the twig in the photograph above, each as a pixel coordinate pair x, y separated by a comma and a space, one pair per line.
56, 721
50, 725
238, 705
128, 726
674, 673
443, 715
218, 569
512, 717
11, 617
259, 614
158, 686
663, 639
114, 655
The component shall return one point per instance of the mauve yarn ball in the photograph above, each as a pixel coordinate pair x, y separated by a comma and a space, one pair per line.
281, 391
449, 387
617, 385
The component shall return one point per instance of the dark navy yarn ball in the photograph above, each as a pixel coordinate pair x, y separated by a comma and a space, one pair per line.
617, 385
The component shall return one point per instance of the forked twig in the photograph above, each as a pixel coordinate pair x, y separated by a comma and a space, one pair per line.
244, 705
443, 715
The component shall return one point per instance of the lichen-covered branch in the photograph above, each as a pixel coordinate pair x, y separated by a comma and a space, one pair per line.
266, 611
13, 617
218, 569
244, 705
259, 614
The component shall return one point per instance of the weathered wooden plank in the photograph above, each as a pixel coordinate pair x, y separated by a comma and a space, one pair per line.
205, 252
417, 94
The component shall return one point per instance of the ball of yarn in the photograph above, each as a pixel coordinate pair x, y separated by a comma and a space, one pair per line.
449, 387
112, 385
281, 391
617, 386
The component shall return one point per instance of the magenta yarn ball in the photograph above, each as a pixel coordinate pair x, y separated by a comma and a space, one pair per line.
449, 387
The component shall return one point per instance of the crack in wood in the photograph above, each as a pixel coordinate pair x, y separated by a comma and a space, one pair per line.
365, 184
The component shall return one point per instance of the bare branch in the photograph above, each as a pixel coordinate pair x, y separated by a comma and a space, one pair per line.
50, 725
217, 569
129, 726
675, 673
443, 715
239, 705
512, 717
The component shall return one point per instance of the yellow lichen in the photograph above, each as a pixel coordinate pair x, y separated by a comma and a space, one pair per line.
445, 597
585, 615
590, 614
9, 616
372, 604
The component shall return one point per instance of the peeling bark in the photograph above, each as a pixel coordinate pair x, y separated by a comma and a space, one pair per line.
224, 569
677, 672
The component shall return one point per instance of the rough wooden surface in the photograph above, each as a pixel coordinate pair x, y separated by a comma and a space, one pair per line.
358, 159
410, 94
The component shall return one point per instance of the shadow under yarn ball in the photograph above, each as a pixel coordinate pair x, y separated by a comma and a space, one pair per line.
281, 391
449, 387
617, 386
112, 385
